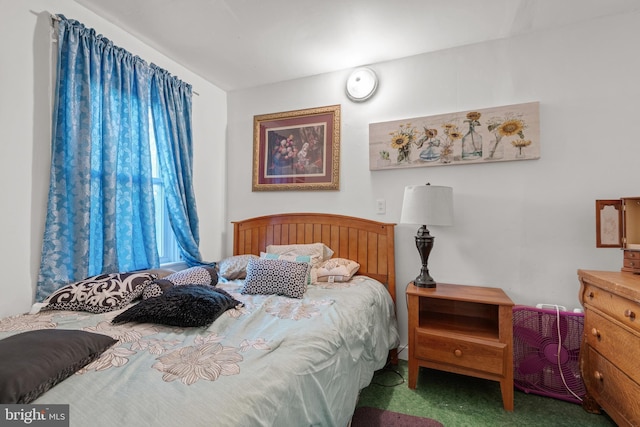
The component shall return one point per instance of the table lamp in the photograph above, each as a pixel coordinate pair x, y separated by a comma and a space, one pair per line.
426, 205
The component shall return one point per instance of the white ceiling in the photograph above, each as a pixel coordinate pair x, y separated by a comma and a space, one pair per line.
237, 44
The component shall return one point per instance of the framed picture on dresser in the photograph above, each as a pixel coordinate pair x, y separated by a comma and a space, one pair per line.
608, 223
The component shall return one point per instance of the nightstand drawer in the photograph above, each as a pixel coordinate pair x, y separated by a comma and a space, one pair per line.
467, 352
612, 388
620, 309
615, 343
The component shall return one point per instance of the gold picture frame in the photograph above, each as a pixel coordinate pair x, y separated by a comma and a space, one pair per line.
297, 150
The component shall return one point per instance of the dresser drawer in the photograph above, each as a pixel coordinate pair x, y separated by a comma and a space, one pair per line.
620, 309
617, 344
632, 255
631, 261
617, 394
467, 352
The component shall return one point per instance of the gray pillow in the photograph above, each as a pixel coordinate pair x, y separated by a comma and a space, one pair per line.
235, 267
33, 362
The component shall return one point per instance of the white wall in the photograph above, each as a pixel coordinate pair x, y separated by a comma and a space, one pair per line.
25, 118
523, 226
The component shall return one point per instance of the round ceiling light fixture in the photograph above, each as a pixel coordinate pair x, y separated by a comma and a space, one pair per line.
361, 84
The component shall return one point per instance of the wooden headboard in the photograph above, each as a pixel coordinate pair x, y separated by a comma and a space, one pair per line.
369, 243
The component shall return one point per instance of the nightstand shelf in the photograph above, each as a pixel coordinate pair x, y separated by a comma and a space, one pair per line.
462, 329
457, 323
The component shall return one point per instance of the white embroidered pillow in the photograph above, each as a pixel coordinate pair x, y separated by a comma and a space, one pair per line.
336, 270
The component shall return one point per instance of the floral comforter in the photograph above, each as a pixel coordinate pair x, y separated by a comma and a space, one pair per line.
276, 361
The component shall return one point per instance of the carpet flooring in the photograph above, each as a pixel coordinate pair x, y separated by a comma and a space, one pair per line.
366, 416
460, 401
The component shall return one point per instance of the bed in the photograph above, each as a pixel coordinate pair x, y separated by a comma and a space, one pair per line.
270, 361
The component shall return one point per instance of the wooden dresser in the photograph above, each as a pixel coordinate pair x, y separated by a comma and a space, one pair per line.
610, 351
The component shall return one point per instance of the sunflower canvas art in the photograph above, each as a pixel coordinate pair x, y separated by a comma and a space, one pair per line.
496, 134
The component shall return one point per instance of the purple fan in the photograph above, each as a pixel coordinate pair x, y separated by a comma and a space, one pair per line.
546, 350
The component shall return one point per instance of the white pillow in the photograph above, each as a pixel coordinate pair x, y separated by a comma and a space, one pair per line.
335, 270
317, 251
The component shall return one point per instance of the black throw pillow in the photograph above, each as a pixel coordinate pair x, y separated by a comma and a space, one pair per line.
187, 305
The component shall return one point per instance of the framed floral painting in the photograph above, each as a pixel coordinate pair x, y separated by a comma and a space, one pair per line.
497, 134
297, 150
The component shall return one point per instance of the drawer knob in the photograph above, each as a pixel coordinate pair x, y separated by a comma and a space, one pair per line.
458, 352
591, 295
630, 314
598, 375
595, 333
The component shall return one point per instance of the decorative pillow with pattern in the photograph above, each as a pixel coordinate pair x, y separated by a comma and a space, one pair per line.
201, 275
185, 305
156, 288
336, 270
276, 276
234, 267
317, 251
160, 273
311, 277
99, 294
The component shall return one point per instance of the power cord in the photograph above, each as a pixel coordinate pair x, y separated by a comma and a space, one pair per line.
564, 381
387, 368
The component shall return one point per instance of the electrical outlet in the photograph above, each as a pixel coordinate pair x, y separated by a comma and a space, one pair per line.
381, 206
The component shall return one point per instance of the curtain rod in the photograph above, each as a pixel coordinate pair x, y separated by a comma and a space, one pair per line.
56, 18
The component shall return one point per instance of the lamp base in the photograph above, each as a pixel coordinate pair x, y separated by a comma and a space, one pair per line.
424, 282
424, 243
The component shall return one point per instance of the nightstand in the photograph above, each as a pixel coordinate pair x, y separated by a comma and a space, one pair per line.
466, 330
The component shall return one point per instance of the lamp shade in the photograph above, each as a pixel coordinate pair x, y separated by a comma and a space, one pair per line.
427, 205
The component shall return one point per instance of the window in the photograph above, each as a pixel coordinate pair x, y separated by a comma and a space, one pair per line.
166, 240
115, 239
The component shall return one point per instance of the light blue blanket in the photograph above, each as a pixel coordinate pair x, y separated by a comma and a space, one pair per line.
276, 361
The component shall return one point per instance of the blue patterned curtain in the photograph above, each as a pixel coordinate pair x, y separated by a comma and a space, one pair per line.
100, 215
171, 110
